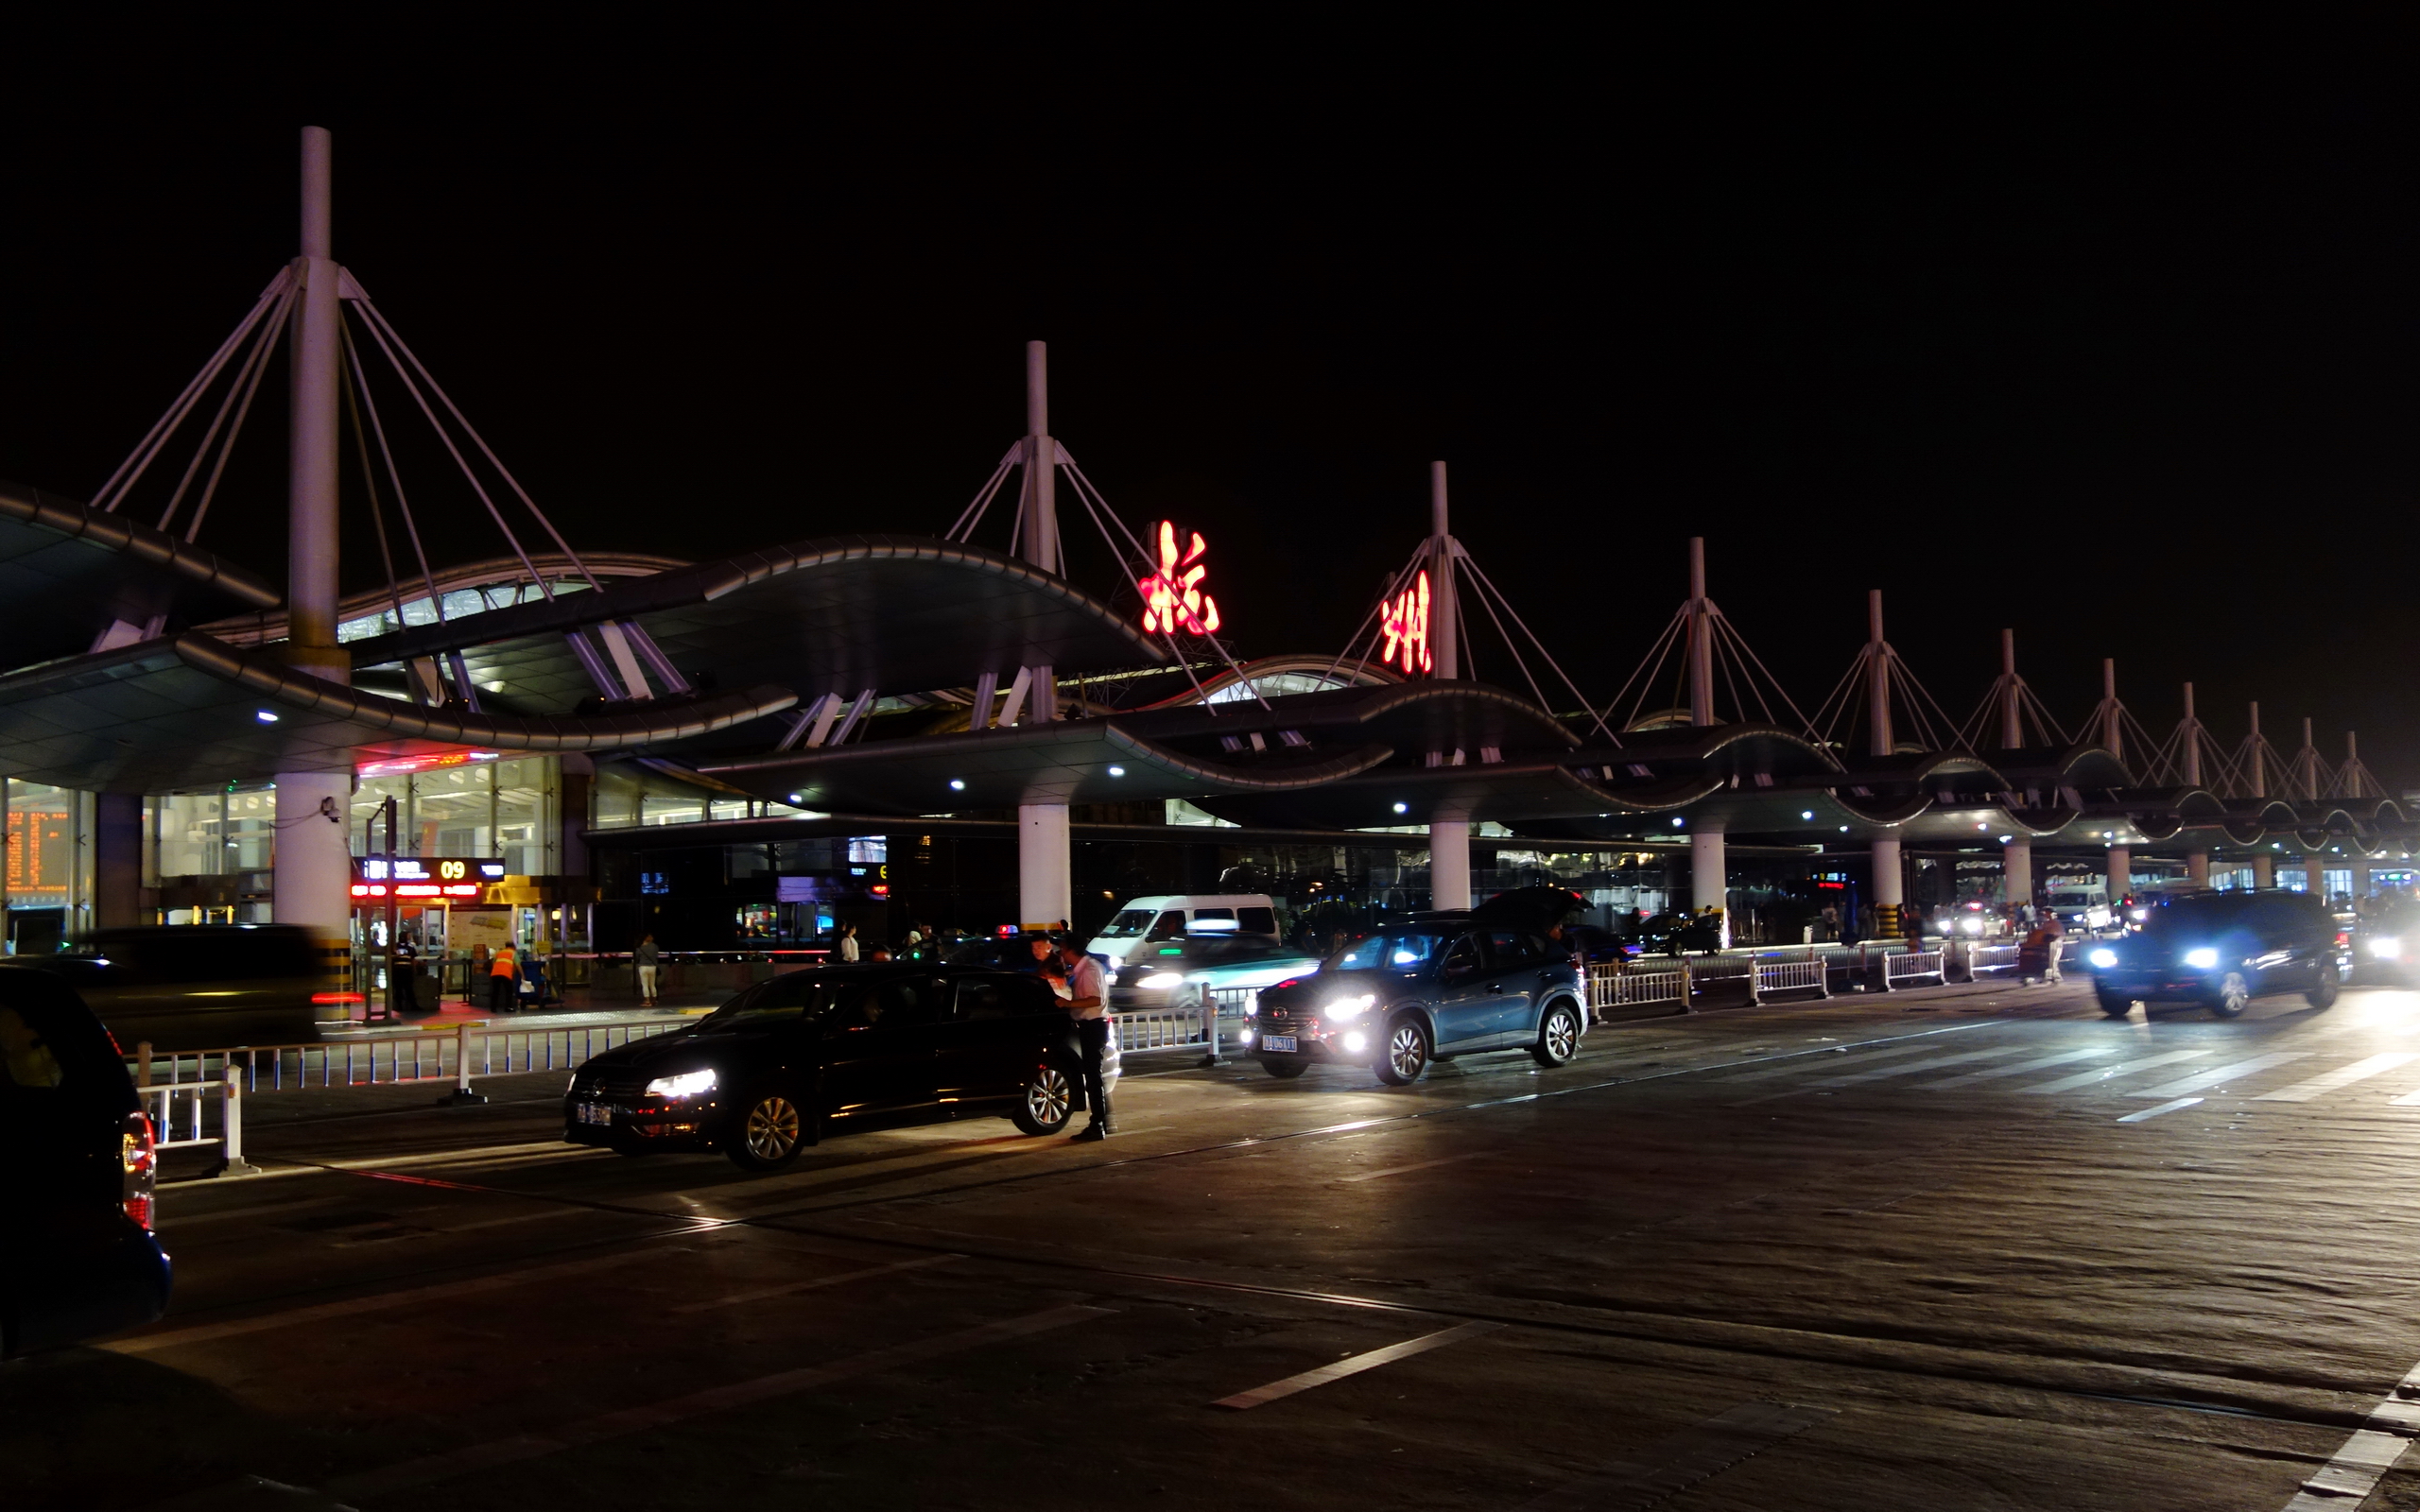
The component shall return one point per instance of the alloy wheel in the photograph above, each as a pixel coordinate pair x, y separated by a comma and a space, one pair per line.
2235, 995
1048, 1096
1406, 1050
771, 1133
1563, 1034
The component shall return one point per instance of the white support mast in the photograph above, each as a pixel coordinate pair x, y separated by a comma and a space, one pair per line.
1449, 840
1045, 862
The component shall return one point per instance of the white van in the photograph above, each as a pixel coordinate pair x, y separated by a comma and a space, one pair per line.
1149, 921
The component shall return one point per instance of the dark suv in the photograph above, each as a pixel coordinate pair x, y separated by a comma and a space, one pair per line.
77, 1254
766, 1074
2222, 950
1397, 998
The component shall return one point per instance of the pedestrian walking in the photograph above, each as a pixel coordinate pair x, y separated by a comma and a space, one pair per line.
403, 976
649, 961
1087, 1004
849, 943
533, 981
504, 981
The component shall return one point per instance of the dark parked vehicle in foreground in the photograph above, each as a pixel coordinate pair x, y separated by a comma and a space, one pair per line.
2222, 950
1409, 994
77, 1258
771, 1070
202, 987
1673, 934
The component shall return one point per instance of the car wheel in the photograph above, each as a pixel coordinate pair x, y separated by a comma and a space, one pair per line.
1286, 1069
2323, 993
1045, 1103
1406, 1054
1557, 1038
770, 1131
2114, 1003
2231, 996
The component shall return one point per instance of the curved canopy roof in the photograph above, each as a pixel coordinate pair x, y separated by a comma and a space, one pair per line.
67, 570
893, 614
186, 710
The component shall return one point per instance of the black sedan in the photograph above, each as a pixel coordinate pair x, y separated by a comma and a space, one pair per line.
77, 1258
2221, 950
1407, 994
769, 1072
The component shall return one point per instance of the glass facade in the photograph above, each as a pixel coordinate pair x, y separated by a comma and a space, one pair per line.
48, 876
486, 805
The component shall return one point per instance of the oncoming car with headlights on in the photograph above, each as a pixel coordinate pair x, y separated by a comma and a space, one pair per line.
1399, 998
2386, 940
2221, 950
774, 1069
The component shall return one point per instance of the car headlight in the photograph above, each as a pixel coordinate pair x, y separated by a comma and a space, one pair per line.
2103, 957
1973, 926
1157, 981
2387, 947
687, 1084
1344, 1009
2203, 959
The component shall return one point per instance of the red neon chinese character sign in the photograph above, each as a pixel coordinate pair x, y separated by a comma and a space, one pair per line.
1403, 620
1172, 596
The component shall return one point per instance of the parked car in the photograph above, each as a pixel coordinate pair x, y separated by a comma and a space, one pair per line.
1181, 976
1673, 934
1143, 922
772, 1069
202, 987
2222, 950
1409, 994
78, 1256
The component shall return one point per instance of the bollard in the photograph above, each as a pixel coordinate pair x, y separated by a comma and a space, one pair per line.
462, 1096
143, 1063
230, 1127
1210, 1028
1688, 988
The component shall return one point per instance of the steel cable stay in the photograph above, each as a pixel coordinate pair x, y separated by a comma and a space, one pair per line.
121, 482
1366, 636
239, 399
1103, 518
2035, 724
1488, 591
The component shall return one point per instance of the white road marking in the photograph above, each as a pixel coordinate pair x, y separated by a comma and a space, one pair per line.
1354, 1364
2038, 1063
2164, 1108
819, 1283
2406, 1100
2200, 1079
2087, 1078
2355, 1470
1938, 1061
594, 1429
1819, 1060
2303, 1091
1398, 1170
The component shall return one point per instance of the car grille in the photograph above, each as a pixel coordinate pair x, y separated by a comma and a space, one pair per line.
611, 1086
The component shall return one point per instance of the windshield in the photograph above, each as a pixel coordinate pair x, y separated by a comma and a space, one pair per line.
1395, 950
1128, 925
783, 999
2196, 915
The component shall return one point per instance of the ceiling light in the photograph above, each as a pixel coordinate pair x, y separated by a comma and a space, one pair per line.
796, 799
957, 784
1807, 813
1117, 771
265, 718
1402, 808
1678, 821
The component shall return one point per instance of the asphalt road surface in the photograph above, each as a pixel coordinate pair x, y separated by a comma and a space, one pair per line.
1974, 1248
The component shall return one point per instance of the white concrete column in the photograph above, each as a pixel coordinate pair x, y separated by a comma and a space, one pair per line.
2122, 873
1449, 863
2197, 868
1890, 880
2315, 877
2264, 870
1045, 888
1710, 876
2016, 872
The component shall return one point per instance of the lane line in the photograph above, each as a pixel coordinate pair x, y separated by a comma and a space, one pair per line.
2353, 1472
2303, 1091
2037, 1063
2406, 1100
1354, 1366
2164, 1108
1964, 1058
2086, 1078
1424, 1165
173, 1338
1674, 1463
2202, 1079
819, 1283
1800, 1062
580, 1433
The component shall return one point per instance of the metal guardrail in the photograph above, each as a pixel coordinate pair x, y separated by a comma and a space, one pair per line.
1610, 987
1906, 966
456, 1055
159, 1106
1183, 1028
1991, 958
1811, 974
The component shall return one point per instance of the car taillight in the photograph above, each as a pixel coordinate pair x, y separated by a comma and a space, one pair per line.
2344, 938
338, 997
138, 1154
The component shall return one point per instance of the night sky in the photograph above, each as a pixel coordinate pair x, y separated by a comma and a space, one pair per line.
2104, 337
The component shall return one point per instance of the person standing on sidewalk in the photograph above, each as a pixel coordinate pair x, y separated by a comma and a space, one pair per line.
504, 981
649, 961
403, 976
848, 950
1088, 1005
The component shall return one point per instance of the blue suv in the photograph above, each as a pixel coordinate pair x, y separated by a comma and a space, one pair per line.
1414, 993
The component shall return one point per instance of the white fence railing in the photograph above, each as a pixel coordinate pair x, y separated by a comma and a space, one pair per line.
1982, 958
1610, 987
1217, 1018
456, 1056
161, 1103
1907, 966
1809, 975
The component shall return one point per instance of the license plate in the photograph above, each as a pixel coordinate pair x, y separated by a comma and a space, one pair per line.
594, 1113
1284, 1042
